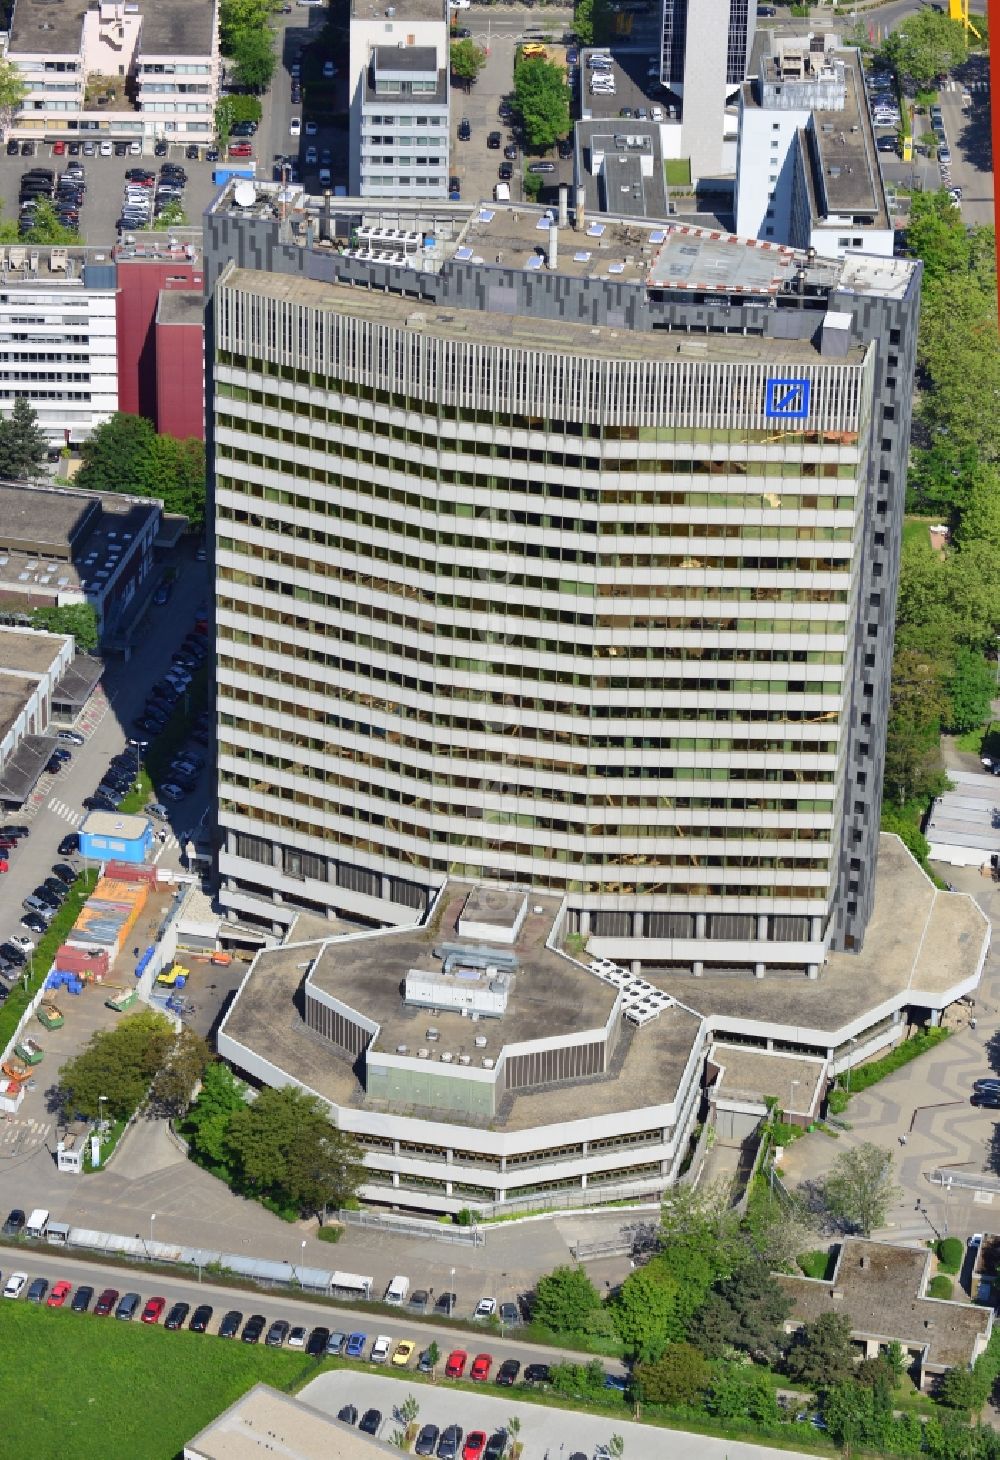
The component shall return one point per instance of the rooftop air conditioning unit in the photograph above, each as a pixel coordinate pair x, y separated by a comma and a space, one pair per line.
465, 1059
401, 1049
446, 1057
423, 1054
480, 1041
488, 1064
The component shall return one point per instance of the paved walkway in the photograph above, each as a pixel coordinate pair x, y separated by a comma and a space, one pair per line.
927, 1102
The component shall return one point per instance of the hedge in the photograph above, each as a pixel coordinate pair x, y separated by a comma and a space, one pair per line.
41, 960
950, 1253
861, 1078
940, 1287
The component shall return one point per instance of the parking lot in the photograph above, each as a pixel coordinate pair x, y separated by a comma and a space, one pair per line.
105, 178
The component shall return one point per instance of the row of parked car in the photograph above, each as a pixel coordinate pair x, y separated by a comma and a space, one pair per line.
146, 197
65, 195
160, 705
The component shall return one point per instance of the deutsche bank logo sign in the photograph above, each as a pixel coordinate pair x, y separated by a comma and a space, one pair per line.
787, 400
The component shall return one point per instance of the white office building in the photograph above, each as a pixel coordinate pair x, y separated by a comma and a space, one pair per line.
807, 171
704, 55
58, 338
399, 95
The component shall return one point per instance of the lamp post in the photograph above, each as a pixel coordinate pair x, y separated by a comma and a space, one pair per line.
451, 1290
102, 1100
152, 1219
793, 1084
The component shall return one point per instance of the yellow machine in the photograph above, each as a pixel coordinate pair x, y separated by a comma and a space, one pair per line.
959, 10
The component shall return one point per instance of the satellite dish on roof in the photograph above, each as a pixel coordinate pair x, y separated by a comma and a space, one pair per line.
244, 194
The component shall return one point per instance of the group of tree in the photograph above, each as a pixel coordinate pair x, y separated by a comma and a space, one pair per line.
247, 40
233, 108
925, 46
126, 454
45, 227
541, 101
13, 90
78, 619
279, 1147
949, 601
141, 1058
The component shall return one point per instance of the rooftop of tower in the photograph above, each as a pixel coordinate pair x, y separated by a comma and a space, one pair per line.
653, 255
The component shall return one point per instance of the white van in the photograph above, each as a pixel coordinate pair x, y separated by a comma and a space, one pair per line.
501, 193
397, 1290
37, 1223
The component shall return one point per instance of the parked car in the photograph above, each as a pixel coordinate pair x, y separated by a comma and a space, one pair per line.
128, 1307
335, 1343
449, 1442
254, 1327
69, 845
356, 1345
231, 1323
403, 1353
485, 1308
36, 922
370, 1421
178, 1313
297, 1337
277, 1333
475, 1444
200, 1318
508, 1372
427, 1440
496, 1447
380, 1349
480, 1370
446, 1304
82, 1299
36, 1293
15, 1285
538, 1374
457, 1360
317, 1341
106, 1302
153, 1310
348, 1415
72, 736
14, 1225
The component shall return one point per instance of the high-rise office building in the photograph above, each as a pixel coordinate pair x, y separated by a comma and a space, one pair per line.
704, 58
557, 557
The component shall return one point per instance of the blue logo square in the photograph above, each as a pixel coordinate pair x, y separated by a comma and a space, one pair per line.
787, 400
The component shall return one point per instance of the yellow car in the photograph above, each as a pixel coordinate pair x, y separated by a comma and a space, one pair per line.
404, 1353
168, 978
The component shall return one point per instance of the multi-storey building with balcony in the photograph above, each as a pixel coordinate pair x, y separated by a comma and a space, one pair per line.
399, 94
130, 72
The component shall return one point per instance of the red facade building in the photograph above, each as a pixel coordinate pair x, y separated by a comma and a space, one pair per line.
167, 388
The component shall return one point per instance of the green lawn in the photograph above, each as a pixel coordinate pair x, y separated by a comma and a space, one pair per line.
80, 1386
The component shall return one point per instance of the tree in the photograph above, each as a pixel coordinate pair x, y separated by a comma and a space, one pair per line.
12, 92
433, 1355
981, 511
970, 691
935, 234
541, 99
253, 57
564, 1300
283, 1146
645, 1314
821, 1352
681, 1375
700, 1241
78, 619
860, 1188
117, 1064
925, 46
207, 1122
740, 1390
172, 216
185, 1064
744, 1311
917, 702
46, 227
126, 455
23, 444
467, 60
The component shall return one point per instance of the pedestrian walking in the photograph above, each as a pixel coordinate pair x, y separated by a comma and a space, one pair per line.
902, 1139
972, 1022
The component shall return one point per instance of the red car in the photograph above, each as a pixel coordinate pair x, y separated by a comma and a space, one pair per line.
481, 1366
4, 865
153, 1309
60, 1292
475, 1444
240, 149
457, 1360
106, 1302
58, 148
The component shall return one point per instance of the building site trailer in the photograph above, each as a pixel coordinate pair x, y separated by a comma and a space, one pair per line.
350, 1285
